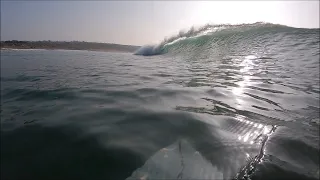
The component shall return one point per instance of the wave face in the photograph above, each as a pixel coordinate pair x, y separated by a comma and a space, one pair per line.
149, 50
209, 36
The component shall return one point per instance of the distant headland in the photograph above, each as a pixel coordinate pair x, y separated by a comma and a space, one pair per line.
72, 45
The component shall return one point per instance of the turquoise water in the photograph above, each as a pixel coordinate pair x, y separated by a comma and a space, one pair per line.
238, 103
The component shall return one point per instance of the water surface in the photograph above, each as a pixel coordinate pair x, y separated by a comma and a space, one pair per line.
221, 106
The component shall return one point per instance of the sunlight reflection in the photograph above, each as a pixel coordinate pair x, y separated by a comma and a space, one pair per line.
252, 131
246, 65
237, 91
266, 130
245, 138
250, 57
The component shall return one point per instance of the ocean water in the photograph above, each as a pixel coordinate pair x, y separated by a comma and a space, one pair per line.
219, 102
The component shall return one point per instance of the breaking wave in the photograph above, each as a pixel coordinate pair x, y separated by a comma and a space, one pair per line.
208, 34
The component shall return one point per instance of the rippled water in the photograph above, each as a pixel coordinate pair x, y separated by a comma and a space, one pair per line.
196, 115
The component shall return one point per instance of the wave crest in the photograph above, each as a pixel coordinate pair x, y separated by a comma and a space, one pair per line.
194, 32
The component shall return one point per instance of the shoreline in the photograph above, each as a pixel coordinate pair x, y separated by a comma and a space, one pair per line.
92, 50
64, 45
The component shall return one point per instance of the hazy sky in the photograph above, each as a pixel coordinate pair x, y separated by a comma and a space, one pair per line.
143, 22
